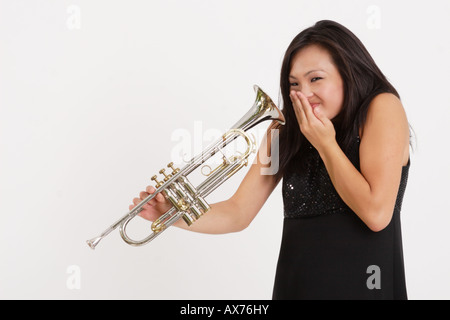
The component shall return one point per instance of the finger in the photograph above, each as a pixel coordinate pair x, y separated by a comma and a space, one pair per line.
321, 115
306, 107
143, 195
298, 109
160, 198
151, 190
137, 201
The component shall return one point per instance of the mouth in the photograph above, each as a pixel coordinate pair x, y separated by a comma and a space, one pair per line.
314, 105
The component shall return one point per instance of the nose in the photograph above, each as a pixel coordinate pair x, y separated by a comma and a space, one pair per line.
307, 92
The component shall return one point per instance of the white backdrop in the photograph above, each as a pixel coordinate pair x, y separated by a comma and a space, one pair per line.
93, 92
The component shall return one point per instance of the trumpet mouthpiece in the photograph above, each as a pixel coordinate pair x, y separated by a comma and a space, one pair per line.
93, 242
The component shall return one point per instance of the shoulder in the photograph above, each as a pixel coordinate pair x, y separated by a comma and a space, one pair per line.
384, 113
386, 105
387, 100
386, 130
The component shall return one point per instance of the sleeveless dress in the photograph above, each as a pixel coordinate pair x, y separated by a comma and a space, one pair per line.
327, 252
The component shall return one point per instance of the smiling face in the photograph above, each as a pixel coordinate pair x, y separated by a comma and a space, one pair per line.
314, 73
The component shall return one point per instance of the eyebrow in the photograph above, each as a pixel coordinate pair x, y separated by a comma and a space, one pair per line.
311, 71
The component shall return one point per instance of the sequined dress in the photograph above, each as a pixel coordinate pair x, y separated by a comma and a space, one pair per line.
327, 252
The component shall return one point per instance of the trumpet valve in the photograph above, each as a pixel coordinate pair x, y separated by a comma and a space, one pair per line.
174, 170
188, 219
158, 183
166, 176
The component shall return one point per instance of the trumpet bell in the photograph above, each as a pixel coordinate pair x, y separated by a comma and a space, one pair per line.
263, 109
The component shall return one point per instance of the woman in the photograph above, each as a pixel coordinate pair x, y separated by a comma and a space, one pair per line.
344, 160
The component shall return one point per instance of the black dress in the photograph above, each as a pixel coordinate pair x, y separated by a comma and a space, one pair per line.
327, 252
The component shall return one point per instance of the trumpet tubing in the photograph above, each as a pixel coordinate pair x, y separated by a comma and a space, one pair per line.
188, 201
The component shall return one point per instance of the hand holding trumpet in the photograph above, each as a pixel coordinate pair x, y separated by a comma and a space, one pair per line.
153, 209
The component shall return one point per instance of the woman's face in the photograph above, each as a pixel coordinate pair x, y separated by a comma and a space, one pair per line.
315, 75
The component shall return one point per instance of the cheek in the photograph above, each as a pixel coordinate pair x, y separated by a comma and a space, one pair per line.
333, 99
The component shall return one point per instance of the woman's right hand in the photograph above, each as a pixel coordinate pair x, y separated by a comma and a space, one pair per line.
153, 209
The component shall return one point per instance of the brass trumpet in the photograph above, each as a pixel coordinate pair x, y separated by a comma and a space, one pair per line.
188, 200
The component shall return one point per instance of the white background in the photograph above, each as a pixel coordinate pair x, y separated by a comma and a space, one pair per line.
92, 91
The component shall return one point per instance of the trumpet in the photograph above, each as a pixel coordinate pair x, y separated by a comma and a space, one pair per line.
188, 201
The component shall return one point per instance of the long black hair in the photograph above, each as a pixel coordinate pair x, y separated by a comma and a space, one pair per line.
362, 79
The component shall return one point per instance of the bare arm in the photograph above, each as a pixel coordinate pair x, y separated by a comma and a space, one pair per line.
384, 149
